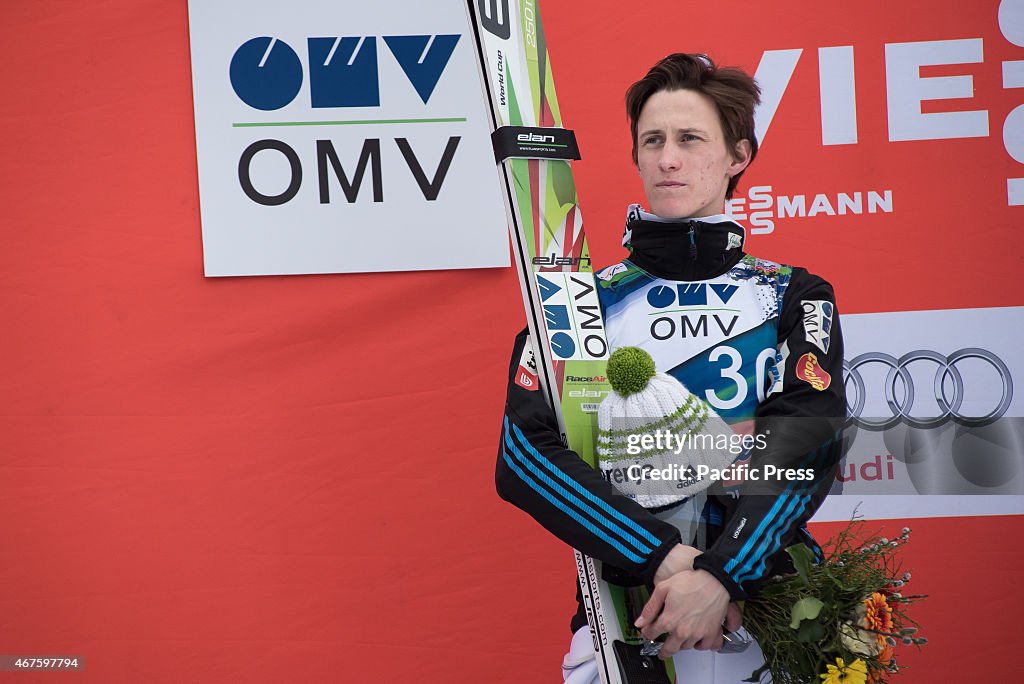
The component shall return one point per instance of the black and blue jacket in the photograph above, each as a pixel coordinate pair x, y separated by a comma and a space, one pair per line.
759, 341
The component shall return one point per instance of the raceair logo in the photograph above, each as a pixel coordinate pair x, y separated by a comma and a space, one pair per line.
338, 131
925, 389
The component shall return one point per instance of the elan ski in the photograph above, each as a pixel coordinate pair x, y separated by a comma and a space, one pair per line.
558, 286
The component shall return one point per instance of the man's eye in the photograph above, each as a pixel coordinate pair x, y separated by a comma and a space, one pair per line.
687, 137
652, 140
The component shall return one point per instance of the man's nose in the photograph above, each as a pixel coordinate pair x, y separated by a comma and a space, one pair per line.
670, 158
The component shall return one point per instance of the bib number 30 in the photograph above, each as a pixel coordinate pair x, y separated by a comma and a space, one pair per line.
731, 371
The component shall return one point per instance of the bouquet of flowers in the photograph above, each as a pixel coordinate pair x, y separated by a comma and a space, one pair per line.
837, 621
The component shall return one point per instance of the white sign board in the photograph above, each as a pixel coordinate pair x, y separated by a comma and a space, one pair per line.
936, 398
342, 136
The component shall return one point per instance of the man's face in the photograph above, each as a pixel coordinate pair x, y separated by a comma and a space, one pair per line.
682, 155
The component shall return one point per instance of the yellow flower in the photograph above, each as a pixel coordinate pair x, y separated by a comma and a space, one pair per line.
841, 673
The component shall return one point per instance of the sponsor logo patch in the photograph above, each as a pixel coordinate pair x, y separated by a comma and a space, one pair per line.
572, 316
585, 378
612, 271
818, 322
552, 260
526, 374
778, 369
810, 371
526, 380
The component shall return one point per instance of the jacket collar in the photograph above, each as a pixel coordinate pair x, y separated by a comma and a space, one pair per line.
683, 249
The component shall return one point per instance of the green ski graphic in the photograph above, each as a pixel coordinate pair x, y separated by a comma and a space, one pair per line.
553, 261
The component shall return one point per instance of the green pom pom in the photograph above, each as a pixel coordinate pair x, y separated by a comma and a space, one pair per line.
629, 369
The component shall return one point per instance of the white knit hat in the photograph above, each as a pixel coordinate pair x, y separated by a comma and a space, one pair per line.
653, 434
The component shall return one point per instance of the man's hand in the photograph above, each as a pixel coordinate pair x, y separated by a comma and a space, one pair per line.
678, 559
692, 606
733, 617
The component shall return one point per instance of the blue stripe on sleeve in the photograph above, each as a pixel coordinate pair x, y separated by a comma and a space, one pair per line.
756, 534
572, 514
769, 523
575, 501
575, 486
774, 537
773, 540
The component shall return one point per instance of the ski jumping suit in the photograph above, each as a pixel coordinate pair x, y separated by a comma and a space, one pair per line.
760, 342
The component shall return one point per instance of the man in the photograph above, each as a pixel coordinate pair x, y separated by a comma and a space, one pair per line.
759, 341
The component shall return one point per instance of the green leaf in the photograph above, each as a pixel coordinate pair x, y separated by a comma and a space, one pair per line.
756, 675
810, 632
803, 559
805, 609
838, 581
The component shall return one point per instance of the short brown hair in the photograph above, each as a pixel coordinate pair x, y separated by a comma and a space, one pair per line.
733, 91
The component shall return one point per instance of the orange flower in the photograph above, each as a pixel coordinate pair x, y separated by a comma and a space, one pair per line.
878, 614
875, 676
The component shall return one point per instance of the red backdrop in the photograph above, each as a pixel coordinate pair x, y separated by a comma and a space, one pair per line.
290, 478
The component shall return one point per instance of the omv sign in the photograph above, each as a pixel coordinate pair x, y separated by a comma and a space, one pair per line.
267, 74
335, 137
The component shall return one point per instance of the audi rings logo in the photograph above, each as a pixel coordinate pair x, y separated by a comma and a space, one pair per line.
900, 389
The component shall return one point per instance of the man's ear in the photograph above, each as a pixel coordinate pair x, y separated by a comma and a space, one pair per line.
740, 156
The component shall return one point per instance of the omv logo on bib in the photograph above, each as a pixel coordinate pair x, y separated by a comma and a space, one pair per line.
267, 73
688, 294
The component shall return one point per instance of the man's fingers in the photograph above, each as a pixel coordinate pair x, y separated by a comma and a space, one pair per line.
665, 624
689, 643
710, 643
652, 608
676, 642
733, 618
670, 647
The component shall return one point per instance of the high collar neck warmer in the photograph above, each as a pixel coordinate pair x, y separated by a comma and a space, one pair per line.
683, 249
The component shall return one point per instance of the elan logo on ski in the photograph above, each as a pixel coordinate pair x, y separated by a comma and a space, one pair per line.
534, 143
